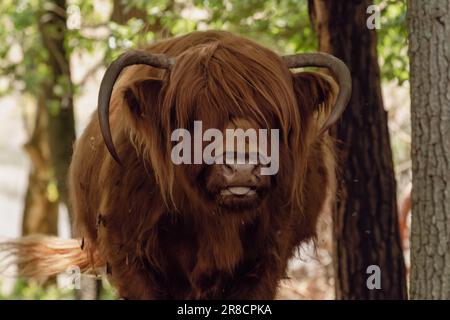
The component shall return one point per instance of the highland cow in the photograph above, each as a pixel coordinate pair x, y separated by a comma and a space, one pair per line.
198, 231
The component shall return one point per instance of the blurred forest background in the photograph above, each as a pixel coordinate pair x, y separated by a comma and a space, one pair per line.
52, 58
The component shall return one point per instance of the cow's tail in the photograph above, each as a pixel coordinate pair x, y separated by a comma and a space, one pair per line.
40, 257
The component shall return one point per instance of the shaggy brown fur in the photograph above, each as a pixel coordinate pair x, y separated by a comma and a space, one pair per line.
152, 222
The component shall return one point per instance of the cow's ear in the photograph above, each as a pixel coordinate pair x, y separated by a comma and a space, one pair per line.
315, 92
143, 97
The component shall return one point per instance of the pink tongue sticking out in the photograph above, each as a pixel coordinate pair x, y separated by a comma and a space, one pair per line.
238, 191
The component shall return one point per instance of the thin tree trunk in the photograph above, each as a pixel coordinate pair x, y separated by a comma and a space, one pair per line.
366, 230
40, 213
61, 122
429, 32
59, 95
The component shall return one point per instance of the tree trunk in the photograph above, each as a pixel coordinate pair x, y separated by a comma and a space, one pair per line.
59, 94
365, 228
40, 213
61, 122
429, 31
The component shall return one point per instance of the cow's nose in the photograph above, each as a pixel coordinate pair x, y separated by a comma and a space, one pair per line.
241, 174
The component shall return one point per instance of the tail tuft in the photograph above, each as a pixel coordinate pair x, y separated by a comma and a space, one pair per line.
40, 257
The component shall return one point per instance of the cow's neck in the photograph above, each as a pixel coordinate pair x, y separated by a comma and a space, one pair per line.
220, 245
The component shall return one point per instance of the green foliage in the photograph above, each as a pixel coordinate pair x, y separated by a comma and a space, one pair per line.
280, 24
21, 50
31, 290
283, 25
107, 292
392, 41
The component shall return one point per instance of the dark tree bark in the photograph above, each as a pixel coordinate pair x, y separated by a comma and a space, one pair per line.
366, 228
429, 30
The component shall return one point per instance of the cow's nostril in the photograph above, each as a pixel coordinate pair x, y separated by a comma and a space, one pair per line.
256, 172
240, 172
228, 169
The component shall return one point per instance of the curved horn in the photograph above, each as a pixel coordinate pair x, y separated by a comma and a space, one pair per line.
128, 58
340, 71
